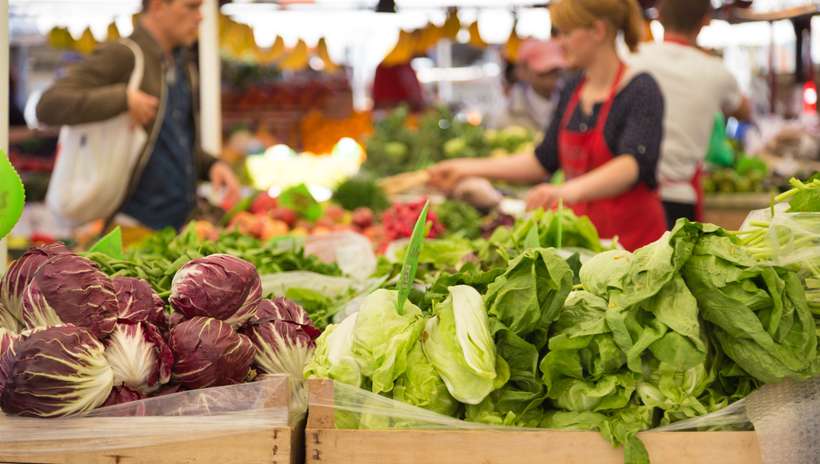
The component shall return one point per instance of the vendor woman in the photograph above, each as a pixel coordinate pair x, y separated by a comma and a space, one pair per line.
605, 136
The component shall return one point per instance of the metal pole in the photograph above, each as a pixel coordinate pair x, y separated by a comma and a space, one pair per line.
209, 71
4, 103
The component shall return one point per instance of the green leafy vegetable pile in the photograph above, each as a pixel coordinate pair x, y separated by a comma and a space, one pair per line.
361, 191
157, 259
544, 229
459, 218
395, 148
678, 329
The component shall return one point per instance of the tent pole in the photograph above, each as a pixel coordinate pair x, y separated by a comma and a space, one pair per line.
4, 104
209, 71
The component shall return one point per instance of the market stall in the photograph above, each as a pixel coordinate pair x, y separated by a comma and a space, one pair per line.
347, 308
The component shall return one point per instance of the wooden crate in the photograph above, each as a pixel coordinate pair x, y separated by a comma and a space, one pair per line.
279, 445
730, 210
326, 445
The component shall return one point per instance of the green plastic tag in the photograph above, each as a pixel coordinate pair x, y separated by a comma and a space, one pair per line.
411, 259
110, 245
12, 196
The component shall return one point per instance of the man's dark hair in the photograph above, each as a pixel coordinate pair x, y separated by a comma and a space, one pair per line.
683, 15
147, 3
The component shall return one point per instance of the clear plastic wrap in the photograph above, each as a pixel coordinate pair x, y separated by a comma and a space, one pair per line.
790, 240
347, 293
787, 420
785, 417
177, 417
794, 238
353, 253
331, 287
355, 408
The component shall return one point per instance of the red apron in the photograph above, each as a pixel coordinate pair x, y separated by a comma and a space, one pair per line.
696, 182
636, 217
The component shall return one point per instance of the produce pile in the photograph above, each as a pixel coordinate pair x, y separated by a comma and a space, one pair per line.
73, 339
395, 148
158, 258
358, 205
748, 175
623, 343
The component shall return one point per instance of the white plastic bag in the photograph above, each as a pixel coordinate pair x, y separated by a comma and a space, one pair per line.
353, 253
96, 161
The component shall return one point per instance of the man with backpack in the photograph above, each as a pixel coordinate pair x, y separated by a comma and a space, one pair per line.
162, 189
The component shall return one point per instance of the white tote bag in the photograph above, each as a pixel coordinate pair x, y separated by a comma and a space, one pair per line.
97, 161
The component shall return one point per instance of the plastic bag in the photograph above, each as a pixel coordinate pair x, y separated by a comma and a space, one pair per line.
210, 412
346, 293
355, 408
97, 160
794, 238
331, 287
787, 420
353, 253
720, 152
790, 240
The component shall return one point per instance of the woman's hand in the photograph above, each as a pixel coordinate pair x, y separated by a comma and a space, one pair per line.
547, 196
446, 175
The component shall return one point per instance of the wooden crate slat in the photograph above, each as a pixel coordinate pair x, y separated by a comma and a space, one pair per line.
326, 445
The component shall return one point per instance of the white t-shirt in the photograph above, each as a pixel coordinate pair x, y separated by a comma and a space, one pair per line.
695, 86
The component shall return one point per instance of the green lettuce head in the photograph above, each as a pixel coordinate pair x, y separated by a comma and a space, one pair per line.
383, 338
458, 343
421, 386
333, 358
529, 296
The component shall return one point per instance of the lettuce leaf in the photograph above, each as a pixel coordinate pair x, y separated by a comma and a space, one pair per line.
530, 294
458, 342
382, 338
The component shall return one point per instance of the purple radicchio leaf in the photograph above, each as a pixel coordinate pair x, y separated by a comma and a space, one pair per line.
18, 276
219, 286
8, 340
58, 371
138, 302
70, 289
209, 353
285, 338
122, 394
139, 357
